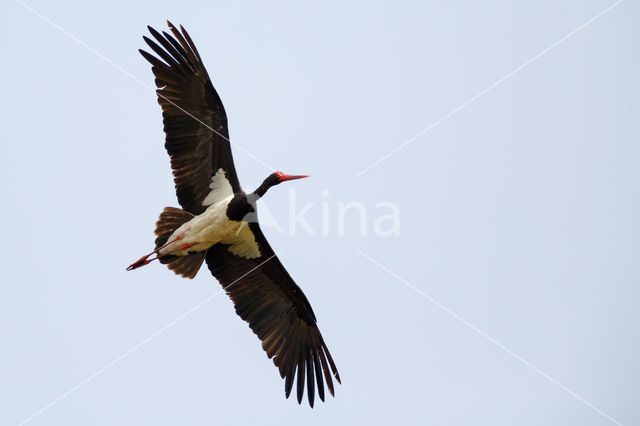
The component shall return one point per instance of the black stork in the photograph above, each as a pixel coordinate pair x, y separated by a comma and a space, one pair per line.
218, 222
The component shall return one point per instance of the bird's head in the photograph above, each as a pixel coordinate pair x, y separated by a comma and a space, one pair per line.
273, 179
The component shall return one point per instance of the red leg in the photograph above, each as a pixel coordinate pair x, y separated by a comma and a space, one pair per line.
144, 260
177, 238
140, 262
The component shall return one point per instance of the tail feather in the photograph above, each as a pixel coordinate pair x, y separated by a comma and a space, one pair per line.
171, 219
186, 266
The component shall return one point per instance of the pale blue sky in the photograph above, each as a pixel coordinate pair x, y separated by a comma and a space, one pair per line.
518, 213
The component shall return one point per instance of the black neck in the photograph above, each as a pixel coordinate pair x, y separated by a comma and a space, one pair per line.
262, 189
270, 181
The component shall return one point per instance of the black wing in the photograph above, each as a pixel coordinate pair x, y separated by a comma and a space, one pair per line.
193, 115
265, 295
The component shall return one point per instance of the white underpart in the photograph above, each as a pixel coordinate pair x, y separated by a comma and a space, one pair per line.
220, 189
213, 226
243, 243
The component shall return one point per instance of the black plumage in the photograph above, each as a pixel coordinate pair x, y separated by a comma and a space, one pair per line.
263, 292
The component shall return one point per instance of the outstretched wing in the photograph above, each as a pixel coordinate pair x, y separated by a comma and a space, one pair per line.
265, 295
194, 118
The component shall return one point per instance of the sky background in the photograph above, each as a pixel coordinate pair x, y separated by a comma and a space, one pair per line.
518, 213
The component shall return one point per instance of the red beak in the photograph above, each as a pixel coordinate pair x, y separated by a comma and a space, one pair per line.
284, 177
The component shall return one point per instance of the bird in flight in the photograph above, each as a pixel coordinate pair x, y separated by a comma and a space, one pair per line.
218, 222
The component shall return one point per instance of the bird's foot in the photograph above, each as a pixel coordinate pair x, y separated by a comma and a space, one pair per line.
144, 260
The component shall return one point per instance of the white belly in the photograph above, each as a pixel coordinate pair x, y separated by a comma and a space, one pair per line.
203, 231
